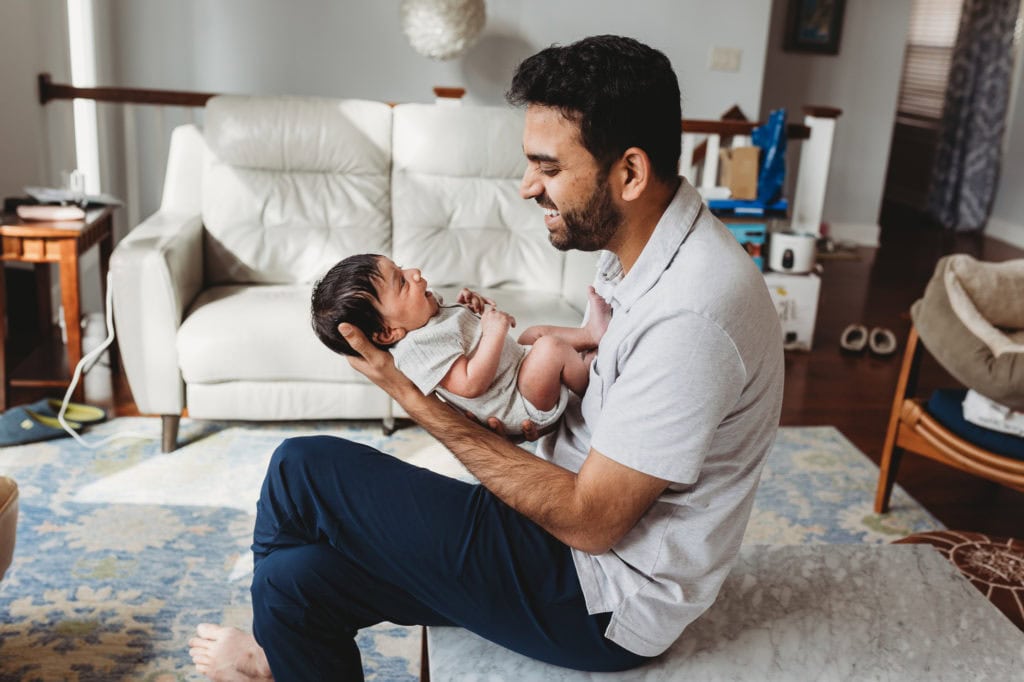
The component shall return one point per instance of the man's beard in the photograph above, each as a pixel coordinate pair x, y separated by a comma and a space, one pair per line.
591, 227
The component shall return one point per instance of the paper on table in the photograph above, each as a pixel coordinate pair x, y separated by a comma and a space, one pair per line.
50, 213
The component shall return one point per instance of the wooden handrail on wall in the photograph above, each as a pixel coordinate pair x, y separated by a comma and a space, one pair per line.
48, 90
794, 131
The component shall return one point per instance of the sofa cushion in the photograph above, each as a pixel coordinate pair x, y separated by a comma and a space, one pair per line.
263, 333
456, 207
291, 185
255, 333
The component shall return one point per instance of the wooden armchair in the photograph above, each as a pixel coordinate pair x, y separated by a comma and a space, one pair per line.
913, 429
8, 521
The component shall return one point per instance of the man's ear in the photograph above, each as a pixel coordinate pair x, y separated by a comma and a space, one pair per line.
635, 172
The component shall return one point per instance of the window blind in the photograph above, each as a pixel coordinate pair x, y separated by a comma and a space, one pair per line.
930, 41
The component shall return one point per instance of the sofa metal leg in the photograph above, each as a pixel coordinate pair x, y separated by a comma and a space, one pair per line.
169, 440
388, 421
424, 656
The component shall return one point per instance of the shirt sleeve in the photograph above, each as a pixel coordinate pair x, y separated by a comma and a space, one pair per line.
677, 380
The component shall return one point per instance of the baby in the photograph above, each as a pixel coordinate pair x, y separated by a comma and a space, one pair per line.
464, 351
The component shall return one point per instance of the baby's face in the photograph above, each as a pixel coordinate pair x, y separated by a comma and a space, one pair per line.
405, 302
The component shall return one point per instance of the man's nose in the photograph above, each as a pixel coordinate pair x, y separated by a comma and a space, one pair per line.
530, 187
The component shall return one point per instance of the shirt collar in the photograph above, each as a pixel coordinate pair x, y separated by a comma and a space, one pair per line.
672, 229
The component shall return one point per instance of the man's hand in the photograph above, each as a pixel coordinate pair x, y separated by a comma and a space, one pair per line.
377, 365
474, 301
530, 430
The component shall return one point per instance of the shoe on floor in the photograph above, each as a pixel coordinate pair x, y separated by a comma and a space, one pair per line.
882, 341
20, 425
854, 338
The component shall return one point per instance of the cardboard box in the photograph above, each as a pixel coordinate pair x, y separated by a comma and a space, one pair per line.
796, 301
739, 166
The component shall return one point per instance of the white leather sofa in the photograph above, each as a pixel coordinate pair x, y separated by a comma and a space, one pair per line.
211, 293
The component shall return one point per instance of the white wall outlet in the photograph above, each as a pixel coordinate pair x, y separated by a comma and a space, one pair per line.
724, 59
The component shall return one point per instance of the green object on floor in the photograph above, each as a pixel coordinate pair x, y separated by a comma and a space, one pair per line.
76, 412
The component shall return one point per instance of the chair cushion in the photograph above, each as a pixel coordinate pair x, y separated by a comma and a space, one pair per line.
946, 405
457, 211
971, 319
994, 565
291, 185
263, 333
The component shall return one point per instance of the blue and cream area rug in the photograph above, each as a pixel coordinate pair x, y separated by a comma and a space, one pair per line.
122, 550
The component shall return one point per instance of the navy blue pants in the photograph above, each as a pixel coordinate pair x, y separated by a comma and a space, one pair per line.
347, 537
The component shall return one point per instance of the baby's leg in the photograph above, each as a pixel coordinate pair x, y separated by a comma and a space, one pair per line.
597, 318
549, 364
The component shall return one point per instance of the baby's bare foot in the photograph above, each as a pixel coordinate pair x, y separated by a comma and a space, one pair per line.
598, 317
225, 654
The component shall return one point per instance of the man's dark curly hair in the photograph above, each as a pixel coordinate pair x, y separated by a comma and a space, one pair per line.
621, 92
347, 293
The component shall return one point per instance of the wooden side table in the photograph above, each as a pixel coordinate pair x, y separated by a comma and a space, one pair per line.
62, 243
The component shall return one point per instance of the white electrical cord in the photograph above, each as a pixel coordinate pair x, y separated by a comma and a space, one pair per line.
87, 363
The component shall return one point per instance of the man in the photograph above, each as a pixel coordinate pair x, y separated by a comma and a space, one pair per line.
598, 552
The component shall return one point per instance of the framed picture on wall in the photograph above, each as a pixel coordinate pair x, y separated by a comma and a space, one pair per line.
814, 26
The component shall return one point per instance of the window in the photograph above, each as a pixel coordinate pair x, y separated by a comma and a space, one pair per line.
930, 41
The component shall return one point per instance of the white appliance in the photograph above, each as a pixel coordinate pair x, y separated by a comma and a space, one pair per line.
792, 252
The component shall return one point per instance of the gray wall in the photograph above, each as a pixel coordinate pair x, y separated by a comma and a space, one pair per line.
33, 140
356, 48
862, 80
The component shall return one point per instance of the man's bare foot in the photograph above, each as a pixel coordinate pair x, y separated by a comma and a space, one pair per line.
225, 654
598, 317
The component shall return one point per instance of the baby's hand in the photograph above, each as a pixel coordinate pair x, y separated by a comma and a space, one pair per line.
473, 301
493, 321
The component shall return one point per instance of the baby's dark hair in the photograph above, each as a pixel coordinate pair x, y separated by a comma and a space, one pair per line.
347, 293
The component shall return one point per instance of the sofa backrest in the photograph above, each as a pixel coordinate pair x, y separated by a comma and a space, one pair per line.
293, 184
456, 208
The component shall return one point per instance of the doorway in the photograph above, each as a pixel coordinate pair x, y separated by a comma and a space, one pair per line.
929, 52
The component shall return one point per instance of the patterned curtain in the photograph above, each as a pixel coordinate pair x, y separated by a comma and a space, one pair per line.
966, 170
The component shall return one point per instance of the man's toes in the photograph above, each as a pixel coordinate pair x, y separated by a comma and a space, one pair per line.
208, 630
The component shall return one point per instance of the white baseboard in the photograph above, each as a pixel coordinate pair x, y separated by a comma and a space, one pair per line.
862, 234
1004, 230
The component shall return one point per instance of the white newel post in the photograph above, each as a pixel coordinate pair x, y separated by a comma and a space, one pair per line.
686, 159
815, 155
710, 177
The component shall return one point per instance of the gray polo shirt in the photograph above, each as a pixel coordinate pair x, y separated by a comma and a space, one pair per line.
687, 386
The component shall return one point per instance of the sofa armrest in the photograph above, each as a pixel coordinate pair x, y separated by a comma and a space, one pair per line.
156, 272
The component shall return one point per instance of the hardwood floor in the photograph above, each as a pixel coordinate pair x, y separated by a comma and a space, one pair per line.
854, 394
